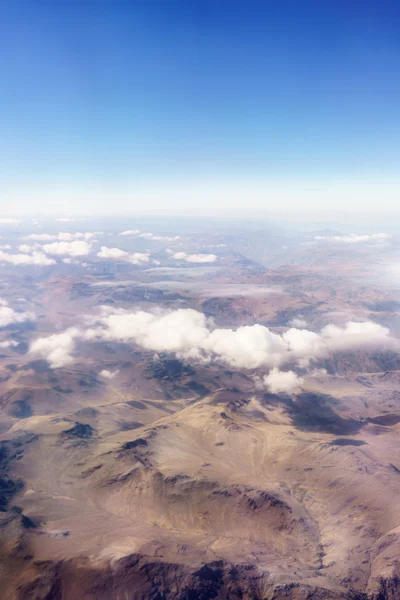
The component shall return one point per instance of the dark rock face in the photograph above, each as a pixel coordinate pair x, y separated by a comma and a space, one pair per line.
386, 420
389, 589
137, 404
21, 409
135, 579
27, 523
134, 444
347, 442
80, 430
11, 450
168, 369
8, 488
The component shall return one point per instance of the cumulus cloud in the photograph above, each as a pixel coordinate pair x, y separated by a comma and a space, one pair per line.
191, 336
201, 258
176, 331
57, 349
36, 258
353, 238
278, 382
25, 248
304, 345
62, 236
70, 261
112, 253
68, 237
135, 258
299, 323
165, 238
195, 258
138, 258
318, 373
8, 316
65, 219
188, 333
130, 232
356, 334
5, 247
247, 347
8, 344
108, 374
76, 248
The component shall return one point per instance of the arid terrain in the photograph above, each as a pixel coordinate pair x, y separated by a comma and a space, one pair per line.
192, 411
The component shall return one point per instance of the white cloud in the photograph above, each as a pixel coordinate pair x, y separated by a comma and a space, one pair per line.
187, 332
8, 344
278, 382
201, 258
353, 238
177, 331
63, 236
354, 335
165, 238
5, 247
247, 347
135, 258
149, 236
36, 258
299, 323
76, 248
57, 349
191, 336
70, 261
7, 221
304, 345
195, 258
68, 237
25, 248
108, 374
112, 253
65, 219
8, 316
318, 373
130, 232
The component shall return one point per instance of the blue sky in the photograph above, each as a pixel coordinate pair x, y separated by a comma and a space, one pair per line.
131, 102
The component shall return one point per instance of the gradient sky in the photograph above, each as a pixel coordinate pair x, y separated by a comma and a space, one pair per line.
124, 105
